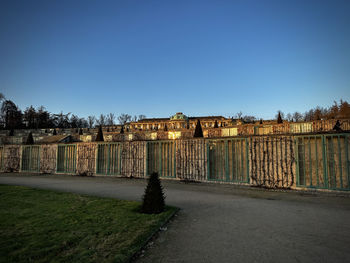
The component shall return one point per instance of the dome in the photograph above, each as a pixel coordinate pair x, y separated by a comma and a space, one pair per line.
179, 116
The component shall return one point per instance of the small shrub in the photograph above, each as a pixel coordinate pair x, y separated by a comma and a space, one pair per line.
153, 199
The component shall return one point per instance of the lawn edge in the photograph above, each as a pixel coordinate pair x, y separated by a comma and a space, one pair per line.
152, 236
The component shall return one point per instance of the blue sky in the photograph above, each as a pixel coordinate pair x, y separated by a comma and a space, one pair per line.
160, 57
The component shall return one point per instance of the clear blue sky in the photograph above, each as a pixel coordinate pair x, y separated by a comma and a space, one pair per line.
160, 57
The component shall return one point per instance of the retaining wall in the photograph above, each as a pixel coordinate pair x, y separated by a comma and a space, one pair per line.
277, 161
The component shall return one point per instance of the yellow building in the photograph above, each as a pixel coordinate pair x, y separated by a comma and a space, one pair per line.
177, 122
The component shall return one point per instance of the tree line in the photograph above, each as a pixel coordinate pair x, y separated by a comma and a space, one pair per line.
339, 110
12, 117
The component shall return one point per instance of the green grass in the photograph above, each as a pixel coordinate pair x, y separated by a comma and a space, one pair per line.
41, 226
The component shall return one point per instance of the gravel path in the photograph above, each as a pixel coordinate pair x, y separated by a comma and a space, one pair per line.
227, 223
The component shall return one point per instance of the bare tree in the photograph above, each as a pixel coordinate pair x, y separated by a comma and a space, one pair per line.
30, 117
62, 120
74, 121
141, 116
91, 120
124, 118
102, 120
82, 123
289, 117
297, 116
249, 119
134, 119
309, 115
11, 115
239, 115
317, 113
110, 119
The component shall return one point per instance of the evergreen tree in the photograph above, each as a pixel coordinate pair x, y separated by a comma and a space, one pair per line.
153, 199
198, 132
337, 126
99, 137
216, 124
261, 121
279, 118
30, 139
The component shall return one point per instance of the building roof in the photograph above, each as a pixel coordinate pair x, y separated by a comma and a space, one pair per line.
208, 117
181, 116
57, 139
152, 120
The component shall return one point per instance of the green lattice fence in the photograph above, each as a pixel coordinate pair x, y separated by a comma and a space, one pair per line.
228, 160
323, 161
109, 159
161, 158
66, 158
30, 158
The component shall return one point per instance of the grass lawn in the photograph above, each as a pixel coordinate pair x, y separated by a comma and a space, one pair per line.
42, 226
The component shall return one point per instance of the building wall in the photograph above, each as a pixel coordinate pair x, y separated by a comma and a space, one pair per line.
153, 133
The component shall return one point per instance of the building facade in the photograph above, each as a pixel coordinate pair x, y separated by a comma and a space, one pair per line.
177, 122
